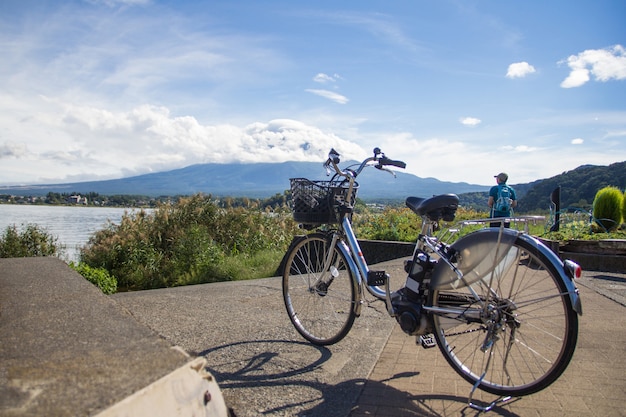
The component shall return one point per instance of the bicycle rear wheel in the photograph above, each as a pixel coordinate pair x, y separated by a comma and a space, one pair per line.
521, 335
319, 290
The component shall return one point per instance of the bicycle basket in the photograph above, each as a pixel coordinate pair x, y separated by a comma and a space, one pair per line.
316, 202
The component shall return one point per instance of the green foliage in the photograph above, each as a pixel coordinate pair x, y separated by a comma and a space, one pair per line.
574, 225
394, 224
186, 242
401, 224
607, 208
32, 240
245, 266
100, 277
475, 200
577, 187
624, 207
582, 231
580, 225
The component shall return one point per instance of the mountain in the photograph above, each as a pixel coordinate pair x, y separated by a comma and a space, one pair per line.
578, 187
250, 180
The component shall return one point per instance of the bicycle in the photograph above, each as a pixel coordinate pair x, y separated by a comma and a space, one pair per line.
501, 306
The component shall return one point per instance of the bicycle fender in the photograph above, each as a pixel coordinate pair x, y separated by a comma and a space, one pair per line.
560, 267
476, 257
343, 247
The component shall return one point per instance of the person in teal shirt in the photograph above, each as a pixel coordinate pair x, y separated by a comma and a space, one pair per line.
502, 207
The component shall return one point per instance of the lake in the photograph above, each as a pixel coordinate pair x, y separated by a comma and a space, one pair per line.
72, 225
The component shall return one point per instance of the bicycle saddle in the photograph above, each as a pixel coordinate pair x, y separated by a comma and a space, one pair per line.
435, 208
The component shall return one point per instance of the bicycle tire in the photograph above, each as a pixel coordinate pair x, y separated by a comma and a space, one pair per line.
532, 334
320, 301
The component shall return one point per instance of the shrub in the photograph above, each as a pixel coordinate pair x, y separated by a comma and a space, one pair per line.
607, 208
401, 224
624, 207
394, 224
31, 241
184, 243
100, 277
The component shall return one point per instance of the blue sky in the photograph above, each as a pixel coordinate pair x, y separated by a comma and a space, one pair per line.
459, 89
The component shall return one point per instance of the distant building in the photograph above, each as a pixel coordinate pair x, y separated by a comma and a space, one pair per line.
77, 199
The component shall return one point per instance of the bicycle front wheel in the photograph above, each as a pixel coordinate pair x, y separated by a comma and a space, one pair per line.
512, 331
319, 290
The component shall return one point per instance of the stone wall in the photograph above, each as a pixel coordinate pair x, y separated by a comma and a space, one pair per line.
375, 251
603, 255
593, 255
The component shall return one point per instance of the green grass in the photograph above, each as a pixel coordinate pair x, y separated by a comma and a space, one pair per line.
262, 264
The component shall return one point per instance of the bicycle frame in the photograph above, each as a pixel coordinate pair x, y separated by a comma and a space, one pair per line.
351, 249
358, 264
356, 261
353, 253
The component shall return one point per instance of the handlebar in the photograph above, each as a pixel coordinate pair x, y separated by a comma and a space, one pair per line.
380, 161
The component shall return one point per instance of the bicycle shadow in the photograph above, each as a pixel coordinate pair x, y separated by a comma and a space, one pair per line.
379, 398
610, 278
274, 377
293, 378
256, 368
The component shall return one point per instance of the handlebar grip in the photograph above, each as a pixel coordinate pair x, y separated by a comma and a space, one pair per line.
386, 161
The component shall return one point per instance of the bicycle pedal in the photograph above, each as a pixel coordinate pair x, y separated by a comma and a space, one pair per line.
427, 341
376, 278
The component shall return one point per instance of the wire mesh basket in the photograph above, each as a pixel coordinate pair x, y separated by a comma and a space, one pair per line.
316, 202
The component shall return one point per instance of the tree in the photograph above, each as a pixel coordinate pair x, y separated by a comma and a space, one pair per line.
31, 241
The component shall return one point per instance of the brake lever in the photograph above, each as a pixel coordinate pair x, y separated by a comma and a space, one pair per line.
333, 158
382, 168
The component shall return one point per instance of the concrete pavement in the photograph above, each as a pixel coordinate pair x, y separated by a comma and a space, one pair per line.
408, 380
67, 350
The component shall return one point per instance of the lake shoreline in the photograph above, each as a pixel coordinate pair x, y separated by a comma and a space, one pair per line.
71, 225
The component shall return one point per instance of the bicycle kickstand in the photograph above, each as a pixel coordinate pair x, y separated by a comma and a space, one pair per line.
488, 408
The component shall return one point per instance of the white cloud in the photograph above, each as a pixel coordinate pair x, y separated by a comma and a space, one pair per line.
92, 143
576, 78
81, 54
439, 157
291, 140
12, 150
577, 141
206, 76
114, 3
470, 121
325, 78
520, 148
444, 158
331, 95
603, 64
519, 70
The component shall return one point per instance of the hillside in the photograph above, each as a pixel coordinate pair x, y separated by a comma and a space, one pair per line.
578, 187
250, 180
